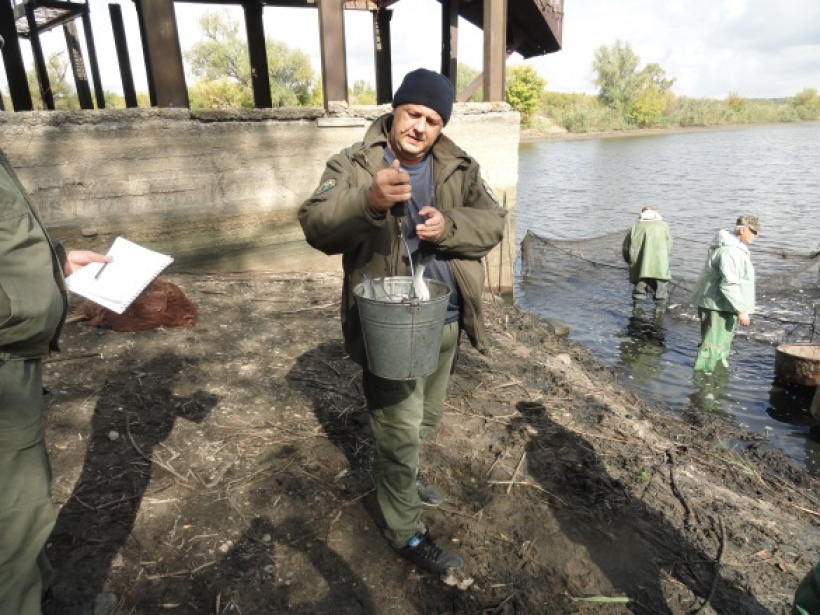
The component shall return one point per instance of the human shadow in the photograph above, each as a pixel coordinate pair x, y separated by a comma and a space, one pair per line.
634, 546
332, 383
128, 423
266, 571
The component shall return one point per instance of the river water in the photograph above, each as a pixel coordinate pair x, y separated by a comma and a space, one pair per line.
700, 181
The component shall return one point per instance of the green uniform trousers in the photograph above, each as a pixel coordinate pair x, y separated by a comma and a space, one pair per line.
717, 329
27, 514
402, 413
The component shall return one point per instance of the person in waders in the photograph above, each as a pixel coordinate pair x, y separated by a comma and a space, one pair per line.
725, 292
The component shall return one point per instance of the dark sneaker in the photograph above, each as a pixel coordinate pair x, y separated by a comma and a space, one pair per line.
425, 553
428, 492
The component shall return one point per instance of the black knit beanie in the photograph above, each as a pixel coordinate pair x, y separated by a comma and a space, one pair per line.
428, 88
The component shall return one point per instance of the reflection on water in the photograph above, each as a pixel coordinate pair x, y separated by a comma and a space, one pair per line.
578, 189
644, 346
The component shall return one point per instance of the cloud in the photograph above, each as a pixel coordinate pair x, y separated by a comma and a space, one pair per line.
753, 47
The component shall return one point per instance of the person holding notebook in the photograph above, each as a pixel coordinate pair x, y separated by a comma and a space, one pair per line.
33, 307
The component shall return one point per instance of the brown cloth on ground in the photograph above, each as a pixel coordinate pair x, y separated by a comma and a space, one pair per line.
161, 304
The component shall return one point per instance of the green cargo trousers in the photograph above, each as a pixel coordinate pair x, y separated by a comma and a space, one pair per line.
402, 413
27, 514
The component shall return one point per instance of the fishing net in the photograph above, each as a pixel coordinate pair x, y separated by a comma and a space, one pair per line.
787, 282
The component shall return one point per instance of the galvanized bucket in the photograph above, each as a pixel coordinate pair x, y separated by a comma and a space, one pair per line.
402, 335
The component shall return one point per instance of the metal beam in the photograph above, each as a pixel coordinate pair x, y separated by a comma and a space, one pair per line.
13, 60
75, 58
449, 40
383, 53
39, 59
121, 45
334, 55
260, 78
163, 50
92, 57
495, 51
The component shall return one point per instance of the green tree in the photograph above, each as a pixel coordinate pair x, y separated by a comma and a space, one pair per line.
524, 90
221, 93
362, 93
65, 96
806, 104
466, 75
648, 108
736, 103
220, 62
642, 96
619, 83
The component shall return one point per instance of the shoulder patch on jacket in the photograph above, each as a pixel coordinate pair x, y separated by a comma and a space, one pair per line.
489, 191
325, 186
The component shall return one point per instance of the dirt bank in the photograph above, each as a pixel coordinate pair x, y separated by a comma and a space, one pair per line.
227, 469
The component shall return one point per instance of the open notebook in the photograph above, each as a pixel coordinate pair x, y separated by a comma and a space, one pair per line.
116, 284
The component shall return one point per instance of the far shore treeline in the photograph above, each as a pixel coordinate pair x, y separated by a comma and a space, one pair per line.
630, 96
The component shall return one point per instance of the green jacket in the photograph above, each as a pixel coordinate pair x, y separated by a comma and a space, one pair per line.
727, 281
646, 249
337, 219
33, 298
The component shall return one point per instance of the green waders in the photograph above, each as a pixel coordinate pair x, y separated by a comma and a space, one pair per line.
717, 329
27, 514
807, 596
402, 412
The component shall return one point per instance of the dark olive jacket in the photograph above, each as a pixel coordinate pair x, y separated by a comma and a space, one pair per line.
338, 219
33, 299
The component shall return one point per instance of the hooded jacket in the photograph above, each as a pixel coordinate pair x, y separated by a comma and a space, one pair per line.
646, 249
33, 304
727, 281
338, 219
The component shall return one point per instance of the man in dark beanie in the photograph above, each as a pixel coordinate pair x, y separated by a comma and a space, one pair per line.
403, 196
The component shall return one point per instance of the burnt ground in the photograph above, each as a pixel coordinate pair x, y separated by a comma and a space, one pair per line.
226, 468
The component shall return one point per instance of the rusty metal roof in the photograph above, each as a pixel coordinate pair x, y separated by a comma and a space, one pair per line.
534, 27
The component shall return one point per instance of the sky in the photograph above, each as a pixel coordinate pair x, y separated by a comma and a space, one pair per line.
754, 48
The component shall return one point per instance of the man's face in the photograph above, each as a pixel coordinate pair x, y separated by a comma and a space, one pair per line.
747, 235
414, 131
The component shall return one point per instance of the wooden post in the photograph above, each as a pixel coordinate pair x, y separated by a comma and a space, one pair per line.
383, 52
13, 60
121, 45
39, 59
92, 56
260, 79
334, 58
165, 55
449, 40
75, 58
495, 52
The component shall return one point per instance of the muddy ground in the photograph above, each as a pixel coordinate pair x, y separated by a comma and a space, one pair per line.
226, 468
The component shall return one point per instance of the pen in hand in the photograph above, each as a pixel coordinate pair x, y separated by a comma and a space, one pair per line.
97, 275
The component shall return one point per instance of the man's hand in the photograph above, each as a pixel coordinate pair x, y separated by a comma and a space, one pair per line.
744, 319
77, 259
434, 224
390, 186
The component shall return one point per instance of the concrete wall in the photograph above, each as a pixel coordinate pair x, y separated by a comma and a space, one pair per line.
217, 189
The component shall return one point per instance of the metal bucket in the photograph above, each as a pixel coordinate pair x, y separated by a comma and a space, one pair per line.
798, 364
402, 335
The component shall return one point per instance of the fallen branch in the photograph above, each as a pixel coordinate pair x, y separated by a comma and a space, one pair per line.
515, 472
